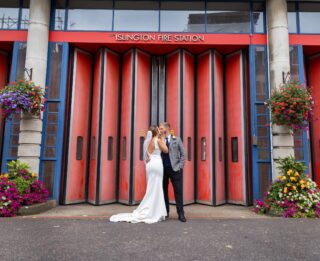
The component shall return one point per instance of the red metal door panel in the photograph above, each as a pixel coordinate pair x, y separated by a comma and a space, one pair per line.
95, 120
76, 168
135, 116
204, 129
188, 126
141, 121
314, 82
180, 113
125, 140
235, 113
104, 126
173, 99
109, 138
210, 124
219, 133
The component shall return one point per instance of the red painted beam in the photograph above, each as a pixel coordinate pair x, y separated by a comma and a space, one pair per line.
13, 36
156, 38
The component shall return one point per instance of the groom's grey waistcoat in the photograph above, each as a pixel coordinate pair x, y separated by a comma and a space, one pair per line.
176, 153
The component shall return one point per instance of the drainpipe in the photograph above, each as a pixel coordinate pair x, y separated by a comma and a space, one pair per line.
36, 59
279, 66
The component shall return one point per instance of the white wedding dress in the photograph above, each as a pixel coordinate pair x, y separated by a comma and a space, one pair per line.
152, 208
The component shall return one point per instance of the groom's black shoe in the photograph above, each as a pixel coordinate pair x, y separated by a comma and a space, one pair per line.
182, 218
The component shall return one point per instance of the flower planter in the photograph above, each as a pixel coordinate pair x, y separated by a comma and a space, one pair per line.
36, 208
291, 105
22, 97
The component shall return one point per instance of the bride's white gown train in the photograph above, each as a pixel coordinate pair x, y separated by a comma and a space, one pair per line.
152, 208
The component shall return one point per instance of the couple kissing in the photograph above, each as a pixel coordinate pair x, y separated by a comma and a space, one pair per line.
164, 159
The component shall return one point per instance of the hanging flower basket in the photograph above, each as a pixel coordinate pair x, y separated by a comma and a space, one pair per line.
293, 194
22, 96
292, 105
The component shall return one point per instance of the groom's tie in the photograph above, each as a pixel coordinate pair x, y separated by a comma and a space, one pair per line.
167, 142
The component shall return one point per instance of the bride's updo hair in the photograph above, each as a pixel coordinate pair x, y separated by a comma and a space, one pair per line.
154, 130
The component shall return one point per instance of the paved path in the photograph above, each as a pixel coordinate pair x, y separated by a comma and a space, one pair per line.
97, 239
192, 211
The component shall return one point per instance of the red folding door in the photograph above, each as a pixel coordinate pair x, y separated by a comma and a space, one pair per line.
210, 129
135, 116
76, 138
104, 128
180, 113
236, 128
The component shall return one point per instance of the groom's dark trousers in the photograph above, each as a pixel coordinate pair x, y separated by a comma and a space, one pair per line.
176, 180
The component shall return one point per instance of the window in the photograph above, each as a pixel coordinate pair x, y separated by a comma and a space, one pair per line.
60, 14
181, 16
292, 18
9, 14
309, 17
229, 17
90, 15
24, 20
136, 16
258, 17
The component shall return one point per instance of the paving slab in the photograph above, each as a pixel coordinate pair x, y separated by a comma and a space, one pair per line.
194, 211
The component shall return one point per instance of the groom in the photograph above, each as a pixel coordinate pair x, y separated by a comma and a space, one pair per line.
173, 163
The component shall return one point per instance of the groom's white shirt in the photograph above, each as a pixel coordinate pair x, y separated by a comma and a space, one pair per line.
168, 137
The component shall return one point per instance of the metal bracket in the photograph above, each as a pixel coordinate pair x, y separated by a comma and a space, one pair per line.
286, 77
29, 73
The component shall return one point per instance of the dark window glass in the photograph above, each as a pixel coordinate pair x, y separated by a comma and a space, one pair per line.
182, 16
9, 14
60, 14
55, 71
294, 63
298, 145
264, 178
124, 148
224, 17
258, 17
93, 147
48, 175
309, 17
79, 148
53, 107
292, 18
136, 16
51, 129
263, 142
261, 109
263, 131
234, 149
141, 147
15, 122
51, 140
189, 149
261, 91
50, 152
220, 149
90, 15
21, 60
110, 148
263, 154
13, 152
203, 149
24, 20
262, 120
14, 140
53, 117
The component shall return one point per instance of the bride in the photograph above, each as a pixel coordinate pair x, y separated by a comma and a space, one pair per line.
152, 207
